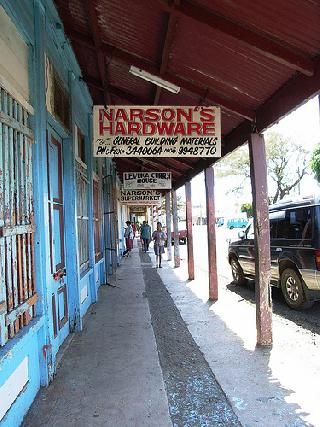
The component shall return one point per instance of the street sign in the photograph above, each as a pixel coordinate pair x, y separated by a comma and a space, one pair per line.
141, 197
154, 131
147, 180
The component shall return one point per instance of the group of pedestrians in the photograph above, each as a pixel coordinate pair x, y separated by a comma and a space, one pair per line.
159, 238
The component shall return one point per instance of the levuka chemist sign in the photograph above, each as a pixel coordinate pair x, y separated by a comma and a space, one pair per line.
143, 131
147, 180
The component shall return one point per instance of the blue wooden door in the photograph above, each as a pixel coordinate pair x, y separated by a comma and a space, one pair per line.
59, 297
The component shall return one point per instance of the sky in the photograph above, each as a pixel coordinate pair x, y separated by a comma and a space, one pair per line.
302, 126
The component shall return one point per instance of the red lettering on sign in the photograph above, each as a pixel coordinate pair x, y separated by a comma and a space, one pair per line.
121, 114
187, 115
194, 128
136, 112
180, 129
152, 114
207, 114
209, 129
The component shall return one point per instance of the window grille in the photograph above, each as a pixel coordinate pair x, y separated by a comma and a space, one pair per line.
82, 217
17, 278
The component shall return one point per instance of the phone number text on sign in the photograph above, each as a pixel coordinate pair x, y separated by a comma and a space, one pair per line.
128, 131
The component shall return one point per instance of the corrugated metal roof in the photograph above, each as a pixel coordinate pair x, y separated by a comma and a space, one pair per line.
258, 59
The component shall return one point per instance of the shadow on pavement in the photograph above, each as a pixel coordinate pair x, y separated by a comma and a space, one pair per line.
252, 387
308, 319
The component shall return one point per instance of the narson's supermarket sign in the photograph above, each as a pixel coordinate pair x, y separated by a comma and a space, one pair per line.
152, 131
141, 197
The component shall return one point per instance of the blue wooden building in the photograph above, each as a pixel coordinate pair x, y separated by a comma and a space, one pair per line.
58, 207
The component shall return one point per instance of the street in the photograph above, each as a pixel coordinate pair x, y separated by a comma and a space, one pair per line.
308, 319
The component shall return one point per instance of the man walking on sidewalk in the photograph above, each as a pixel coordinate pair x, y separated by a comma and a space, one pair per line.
145, 234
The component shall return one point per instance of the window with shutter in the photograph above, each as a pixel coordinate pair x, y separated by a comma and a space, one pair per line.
17, 279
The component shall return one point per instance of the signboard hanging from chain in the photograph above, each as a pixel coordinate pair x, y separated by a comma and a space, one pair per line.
152, 131
147, 180
141, 197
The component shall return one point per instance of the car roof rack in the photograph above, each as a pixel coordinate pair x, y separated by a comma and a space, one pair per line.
294, 202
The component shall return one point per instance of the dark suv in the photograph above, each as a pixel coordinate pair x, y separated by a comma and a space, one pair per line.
295, 251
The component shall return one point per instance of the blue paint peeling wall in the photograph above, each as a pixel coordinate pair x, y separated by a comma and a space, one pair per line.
36, 21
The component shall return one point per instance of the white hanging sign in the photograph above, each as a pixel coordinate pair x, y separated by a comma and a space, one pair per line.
147, 180
141, 197
154, 131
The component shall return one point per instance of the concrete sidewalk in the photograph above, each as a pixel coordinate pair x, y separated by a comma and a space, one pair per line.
111, 375
278, 387
154, 352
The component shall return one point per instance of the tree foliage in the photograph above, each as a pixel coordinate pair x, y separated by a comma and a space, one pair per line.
247, 208
286, 164
315, 162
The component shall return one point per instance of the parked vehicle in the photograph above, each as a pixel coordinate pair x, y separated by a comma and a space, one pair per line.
182, 227
219, 221
182, 236
237, 223
182, 233
295, 251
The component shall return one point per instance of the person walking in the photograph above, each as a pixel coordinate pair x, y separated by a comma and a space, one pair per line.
145, 234
159, 237
128, 235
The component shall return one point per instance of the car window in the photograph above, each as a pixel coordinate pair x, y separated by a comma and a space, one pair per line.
273, 228
296, 224
250, 231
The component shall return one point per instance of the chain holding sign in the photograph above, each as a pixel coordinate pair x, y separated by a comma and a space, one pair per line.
147, 180
152, 131
141, 197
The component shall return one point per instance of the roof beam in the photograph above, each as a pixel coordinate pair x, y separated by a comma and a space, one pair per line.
290, 96
172, 21
167, 167
159, 166
172, 161
264, 44
93, 26
200, 91
132, 99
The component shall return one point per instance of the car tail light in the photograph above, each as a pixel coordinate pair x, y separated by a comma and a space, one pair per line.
317, 258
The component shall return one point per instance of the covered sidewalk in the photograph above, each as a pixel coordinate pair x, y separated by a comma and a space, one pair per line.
162, 354
62, 214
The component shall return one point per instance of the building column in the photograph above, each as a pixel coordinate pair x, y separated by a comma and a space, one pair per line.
175, 229
211, 232
40, 193
258, 172
189, 230
168, 222
154, 218
92, 259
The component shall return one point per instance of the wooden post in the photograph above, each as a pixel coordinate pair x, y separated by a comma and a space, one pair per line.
175, 229
154, 218
168, 221
258, 172
211, 232
189, 230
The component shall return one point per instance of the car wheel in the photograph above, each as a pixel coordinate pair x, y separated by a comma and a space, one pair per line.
292, 289
237, 272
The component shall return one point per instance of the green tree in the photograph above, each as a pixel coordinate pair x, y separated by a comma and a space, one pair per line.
247, 208
315, 162
287, 164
